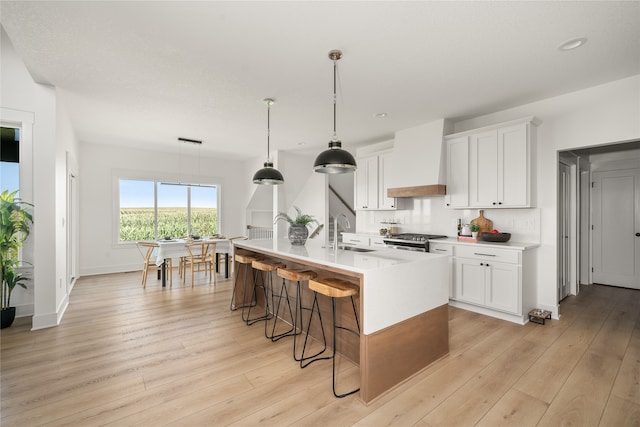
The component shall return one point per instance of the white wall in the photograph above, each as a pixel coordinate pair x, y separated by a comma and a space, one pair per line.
42, 188
99, 167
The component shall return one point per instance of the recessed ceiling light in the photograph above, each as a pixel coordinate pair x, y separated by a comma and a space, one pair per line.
380, 115
301, 143
572, 43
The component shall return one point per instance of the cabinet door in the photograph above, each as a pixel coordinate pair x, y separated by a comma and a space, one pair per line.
457, 173
503, 287
513, 169
483, 169
470, 280
384, 171
366, 182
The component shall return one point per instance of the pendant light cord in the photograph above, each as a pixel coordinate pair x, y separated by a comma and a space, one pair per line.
335, 66
268, 127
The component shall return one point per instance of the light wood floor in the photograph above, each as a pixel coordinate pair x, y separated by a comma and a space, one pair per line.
126, 356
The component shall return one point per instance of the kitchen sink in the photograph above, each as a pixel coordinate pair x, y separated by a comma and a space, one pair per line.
354, 249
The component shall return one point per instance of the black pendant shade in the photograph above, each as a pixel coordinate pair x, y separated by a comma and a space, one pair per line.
268, 175
334, 160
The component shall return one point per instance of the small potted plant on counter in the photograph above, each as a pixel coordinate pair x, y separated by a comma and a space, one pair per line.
298, 226
475, 228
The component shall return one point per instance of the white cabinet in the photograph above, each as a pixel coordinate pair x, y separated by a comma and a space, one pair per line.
491, 167
355, 239
445, 249
377, 242
457, 173
489, 280
371, 183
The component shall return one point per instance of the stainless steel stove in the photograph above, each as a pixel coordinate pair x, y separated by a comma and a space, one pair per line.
411, 241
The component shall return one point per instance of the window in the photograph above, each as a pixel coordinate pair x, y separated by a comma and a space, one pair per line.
9, 159
150, 210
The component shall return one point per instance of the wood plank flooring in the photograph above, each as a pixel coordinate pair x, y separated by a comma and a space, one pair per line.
125, 355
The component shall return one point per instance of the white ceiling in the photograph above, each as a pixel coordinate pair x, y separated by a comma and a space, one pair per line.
145, 73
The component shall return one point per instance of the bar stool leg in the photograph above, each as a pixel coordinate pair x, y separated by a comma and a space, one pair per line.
333, 357
284, 294
267, 314
232, 305
315, 308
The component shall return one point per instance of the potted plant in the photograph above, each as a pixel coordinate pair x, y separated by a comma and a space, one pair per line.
15, 225
298, 226
475, 228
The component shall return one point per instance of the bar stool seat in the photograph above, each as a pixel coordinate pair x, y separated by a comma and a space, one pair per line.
245, 262
333, 288
297, 276
267, 267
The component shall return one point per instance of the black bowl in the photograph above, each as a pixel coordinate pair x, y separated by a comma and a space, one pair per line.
499, 237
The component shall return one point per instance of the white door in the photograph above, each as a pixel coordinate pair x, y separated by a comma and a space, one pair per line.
503, 287
616, 228
564, 229
384, 172
483, 169
471, 276
457, 173
513, 164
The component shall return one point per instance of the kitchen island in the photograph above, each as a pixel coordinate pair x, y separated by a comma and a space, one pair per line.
402, 304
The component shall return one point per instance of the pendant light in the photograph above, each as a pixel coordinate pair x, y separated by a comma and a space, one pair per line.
268, 175
335, 159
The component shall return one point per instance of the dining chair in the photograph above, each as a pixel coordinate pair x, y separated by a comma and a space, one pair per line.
200, 254
147, 249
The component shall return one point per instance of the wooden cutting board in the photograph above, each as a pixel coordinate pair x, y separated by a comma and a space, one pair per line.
486, 225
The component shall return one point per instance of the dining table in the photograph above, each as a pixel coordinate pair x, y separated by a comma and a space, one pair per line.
176, 248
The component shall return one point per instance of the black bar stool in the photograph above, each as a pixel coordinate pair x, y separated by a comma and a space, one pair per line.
297, 276
245, 263
333, 288
267, 268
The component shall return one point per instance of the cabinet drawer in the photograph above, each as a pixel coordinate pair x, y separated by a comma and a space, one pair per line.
355, 239
440, 248
377, 241
489, 254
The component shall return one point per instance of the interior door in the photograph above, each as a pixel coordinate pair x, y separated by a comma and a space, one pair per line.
616, 228
564, 229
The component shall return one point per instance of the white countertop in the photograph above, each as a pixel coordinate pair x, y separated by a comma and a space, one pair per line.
522, 246
358, 262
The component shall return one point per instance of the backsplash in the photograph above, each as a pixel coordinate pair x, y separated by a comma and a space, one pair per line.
429, 215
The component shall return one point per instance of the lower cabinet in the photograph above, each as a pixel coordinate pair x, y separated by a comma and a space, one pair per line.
492, 284
490, 281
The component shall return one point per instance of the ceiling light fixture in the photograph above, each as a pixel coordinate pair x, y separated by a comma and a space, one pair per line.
186, 184
572, 44
334, 159
268, 175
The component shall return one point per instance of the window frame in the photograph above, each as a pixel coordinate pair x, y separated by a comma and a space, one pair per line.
157, 178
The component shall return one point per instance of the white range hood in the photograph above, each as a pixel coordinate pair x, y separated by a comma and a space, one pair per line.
418, 161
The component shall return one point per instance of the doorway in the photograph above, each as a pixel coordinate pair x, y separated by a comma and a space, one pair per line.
594, 244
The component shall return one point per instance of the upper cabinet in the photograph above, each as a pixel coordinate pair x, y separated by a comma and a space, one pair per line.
457, 172
371, 182
491, 167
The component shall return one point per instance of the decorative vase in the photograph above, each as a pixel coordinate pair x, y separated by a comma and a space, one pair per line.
474, 234
298, 234
8, 316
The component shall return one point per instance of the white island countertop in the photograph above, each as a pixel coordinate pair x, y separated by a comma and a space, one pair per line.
357, 262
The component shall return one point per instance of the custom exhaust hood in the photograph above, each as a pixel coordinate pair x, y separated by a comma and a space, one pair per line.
418, 161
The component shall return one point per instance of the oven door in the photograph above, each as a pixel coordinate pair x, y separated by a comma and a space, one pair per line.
405, 245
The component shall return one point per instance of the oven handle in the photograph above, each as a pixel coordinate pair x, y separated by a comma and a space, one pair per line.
406, 248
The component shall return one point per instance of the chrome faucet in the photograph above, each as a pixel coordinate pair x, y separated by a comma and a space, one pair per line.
335, 229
